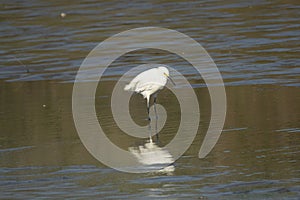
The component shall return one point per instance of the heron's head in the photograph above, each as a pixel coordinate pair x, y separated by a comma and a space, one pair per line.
164, 70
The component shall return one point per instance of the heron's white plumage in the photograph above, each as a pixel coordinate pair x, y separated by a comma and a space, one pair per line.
149, 82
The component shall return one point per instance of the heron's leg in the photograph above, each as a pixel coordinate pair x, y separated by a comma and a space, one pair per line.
148, 108
156, 116
149, 119
155, 107
148, 112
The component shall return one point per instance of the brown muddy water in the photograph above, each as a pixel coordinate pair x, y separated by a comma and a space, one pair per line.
256, 46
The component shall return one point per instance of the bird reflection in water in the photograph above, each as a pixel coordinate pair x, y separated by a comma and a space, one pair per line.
153, 157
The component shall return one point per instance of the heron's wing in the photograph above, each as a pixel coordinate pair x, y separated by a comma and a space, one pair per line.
139, 80
148, 81
148, 88
133, 83
144, 87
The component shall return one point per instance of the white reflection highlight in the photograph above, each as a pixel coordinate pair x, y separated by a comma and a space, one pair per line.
153, 157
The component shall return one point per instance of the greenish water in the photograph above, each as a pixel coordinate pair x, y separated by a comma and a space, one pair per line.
256, 47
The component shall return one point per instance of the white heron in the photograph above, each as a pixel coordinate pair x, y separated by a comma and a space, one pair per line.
149, 83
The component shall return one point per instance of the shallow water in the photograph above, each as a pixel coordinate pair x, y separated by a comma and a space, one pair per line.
256, 48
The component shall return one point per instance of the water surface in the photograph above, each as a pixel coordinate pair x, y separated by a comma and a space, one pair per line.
255, 46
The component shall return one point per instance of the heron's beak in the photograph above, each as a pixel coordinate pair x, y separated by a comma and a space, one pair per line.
170, 79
